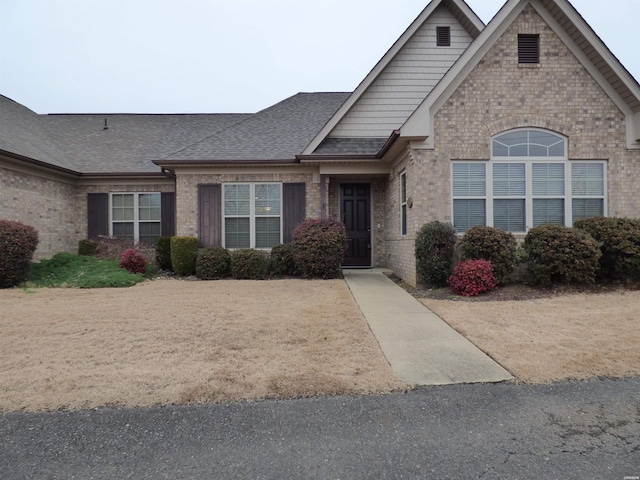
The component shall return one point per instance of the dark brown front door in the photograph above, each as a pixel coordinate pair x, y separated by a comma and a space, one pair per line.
356, 215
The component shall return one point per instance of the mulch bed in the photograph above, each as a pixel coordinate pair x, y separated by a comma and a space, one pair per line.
514, 291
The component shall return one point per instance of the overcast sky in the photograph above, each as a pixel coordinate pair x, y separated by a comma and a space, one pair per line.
191, 56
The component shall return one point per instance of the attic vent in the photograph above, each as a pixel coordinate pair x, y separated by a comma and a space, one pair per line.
528, 48
443, 36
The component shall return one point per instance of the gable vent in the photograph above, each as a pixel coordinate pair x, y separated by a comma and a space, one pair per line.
443, 36
528, 48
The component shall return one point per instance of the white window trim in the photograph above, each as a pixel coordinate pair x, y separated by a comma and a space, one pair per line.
529, 197
136, 213
252, 212
404, 212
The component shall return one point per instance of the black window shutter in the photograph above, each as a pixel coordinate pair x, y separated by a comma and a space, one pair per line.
528, 48
97, 215
443, 36
293, 208
168, 214
210, 215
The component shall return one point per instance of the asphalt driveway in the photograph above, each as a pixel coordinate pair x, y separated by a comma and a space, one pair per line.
569, 430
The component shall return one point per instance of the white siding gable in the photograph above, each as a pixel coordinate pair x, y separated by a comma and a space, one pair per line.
406, 80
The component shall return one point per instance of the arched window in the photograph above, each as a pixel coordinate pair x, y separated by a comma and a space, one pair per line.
528, 182
528, 143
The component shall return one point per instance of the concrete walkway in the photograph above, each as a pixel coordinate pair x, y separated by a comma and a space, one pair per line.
421, 348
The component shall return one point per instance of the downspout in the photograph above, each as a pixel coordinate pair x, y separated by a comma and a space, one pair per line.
323, 196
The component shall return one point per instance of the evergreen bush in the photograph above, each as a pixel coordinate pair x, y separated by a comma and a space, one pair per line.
318, 247
163, 252
184, 252
493, 244
281, 260
560, 254
213, 263
434, 248
18, 242
619, 240
87, 247
248, 264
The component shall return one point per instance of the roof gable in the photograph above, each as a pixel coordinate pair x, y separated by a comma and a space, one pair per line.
571, 28
391, 113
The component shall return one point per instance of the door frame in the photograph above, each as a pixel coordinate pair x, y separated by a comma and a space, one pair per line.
371, 217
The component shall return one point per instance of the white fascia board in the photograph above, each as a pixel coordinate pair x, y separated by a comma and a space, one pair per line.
421, 122
380, 66
633, 131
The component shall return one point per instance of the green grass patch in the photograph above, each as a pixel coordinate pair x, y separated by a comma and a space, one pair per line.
78, 271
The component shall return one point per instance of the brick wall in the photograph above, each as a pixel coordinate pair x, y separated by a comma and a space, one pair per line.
44, 203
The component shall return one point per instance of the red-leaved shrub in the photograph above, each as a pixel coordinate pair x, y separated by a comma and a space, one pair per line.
472, 277
133, 261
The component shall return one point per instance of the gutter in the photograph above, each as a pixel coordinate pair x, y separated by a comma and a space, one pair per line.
39, 163
182, 163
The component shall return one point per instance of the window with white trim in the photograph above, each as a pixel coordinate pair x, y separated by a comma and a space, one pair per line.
528, 182
403, 203
135, 216
252, 215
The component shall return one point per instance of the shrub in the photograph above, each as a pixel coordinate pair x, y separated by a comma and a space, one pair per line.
281, 260
562, 255
87, 247
318, 247
18, 242
163, 252
472, 277
133, 261
248, 264
213, 263
434, 249
619, 240
184, 252
493, 244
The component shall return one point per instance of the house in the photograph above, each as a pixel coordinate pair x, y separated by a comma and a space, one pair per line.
525, 121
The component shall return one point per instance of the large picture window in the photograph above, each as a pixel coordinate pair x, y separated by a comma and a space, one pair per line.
135, 216
252, 215
528, 182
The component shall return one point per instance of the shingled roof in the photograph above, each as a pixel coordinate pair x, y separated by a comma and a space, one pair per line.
279, 132
130, 143
22, 134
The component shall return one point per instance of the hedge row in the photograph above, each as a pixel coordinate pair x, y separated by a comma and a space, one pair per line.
605, 248
316, 251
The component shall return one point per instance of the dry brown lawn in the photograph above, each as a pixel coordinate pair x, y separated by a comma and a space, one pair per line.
573, 336
184, 342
